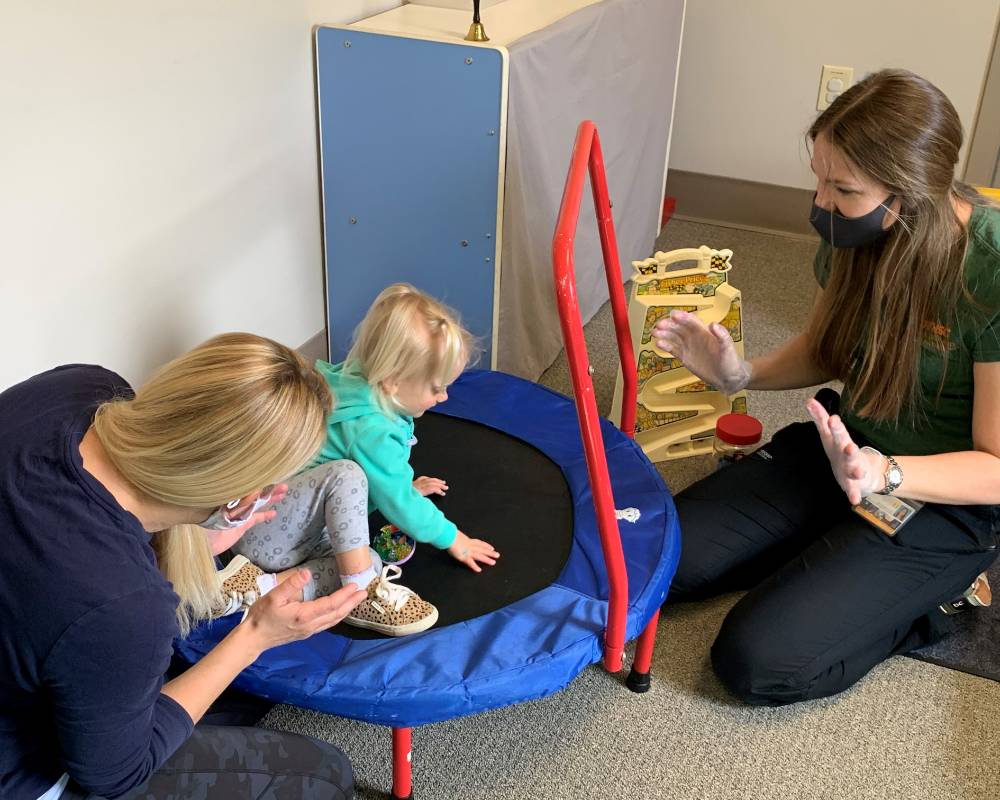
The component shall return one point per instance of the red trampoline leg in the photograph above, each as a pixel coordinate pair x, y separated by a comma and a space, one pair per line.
402, 756
638, 677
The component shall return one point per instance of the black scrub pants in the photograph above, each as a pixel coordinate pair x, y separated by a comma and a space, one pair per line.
830, 596
226, 758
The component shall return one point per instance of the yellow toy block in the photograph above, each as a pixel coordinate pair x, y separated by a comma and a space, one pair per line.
675, 410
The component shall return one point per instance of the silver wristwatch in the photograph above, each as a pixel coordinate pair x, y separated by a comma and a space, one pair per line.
893, 477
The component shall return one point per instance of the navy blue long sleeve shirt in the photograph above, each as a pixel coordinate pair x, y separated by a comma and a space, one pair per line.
86, 619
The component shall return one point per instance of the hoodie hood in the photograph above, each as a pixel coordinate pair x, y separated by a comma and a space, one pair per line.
352, 396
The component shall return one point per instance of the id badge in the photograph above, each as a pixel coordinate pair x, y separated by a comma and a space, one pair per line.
887, 513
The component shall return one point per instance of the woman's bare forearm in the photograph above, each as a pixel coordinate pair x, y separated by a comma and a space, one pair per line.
788, 367
197, 688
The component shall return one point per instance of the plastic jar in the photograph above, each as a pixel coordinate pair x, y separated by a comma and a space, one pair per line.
736, 436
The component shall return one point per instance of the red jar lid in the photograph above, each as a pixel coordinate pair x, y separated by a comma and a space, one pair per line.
739, 429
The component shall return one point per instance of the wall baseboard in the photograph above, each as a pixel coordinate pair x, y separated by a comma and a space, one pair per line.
315, 347
734, 202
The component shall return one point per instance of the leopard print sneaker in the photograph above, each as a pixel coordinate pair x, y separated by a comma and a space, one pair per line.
392, 609
238, 584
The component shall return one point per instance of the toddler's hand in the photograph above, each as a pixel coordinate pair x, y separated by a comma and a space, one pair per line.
427, 486
473, 552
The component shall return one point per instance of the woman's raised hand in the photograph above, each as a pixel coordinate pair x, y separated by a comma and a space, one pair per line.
220, 541
859, 471
707, 350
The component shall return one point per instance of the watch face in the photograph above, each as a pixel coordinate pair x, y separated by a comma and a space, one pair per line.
895, 476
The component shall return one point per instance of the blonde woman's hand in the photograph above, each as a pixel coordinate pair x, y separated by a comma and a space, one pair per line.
427, 486
278, 493
707, 350
473, 552
860, 472
282, 616
220, 541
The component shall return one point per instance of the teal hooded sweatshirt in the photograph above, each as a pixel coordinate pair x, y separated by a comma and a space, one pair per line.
379, 441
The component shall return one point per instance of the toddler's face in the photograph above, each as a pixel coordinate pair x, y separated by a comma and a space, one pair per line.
418, 396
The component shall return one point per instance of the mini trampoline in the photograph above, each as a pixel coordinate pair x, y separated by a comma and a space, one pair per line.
521, 467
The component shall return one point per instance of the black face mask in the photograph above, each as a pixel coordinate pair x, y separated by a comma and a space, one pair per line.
850, 231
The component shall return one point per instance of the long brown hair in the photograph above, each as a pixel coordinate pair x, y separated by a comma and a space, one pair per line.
900, 130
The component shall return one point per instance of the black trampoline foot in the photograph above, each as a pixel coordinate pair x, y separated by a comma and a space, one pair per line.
638, 682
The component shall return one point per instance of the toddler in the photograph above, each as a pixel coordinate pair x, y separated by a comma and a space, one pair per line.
407, 351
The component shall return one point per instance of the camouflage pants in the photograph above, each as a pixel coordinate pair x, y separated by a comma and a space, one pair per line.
240, 763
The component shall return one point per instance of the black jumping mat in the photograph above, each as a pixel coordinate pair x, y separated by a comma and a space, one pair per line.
502, 490
974, 645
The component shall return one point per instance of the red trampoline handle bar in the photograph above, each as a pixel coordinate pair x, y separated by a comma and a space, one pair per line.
587, 153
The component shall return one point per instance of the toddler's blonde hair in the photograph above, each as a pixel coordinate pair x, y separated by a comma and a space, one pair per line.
408, 335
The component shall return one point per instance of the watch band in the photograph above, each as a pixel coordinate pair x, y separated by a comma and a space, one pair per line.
893, 473
893, 476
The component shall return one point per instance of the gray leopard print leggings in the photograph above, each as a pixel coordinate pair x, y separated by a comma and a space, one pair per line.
324, 513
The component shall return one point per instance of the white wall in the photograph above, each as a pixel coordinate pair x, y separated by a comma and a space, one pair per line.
158, 177
750, 72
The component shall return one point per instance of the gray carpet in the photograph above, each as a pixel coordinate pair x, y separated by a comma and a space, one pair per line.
909, 730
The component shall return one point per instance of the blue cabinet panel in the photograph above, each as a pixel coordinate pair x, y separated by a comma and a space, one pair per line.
409, 146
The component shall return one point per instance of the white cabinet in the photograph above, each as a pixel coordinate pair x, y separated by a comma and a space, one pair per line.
443, 161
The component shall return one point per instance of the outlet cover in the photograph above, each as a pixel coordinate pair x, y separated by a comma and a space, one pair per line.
832, 83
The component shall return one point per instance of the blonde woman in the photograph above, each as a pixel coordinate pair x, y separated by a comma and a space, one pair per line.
92, 475
407, 351
908, 317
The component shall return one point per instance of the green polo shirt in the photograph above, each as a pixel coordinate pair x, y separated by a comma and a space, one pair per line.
973, 336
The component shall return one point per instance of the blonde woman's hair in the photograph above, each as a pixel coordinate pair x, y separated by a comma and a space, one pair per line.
879, 299
408, 335
221, 421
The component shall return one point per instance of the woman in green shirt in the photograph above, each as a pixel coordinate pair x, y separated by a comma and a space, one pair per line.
908, 317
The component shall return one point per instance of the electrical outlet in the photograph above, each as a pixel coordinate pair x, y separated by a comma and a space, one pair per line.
832, 83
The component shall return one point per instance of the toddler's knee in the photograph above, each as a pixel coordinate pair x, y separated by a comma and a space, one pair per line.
760, 670
344, 474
